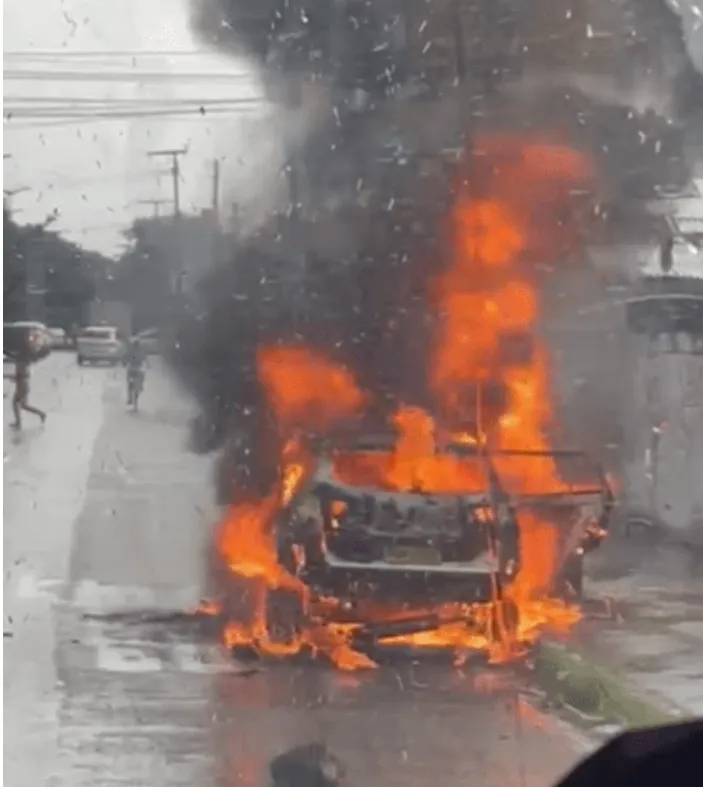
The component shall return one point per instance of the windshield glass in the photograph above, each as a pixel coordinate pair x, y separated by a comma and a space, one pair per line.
98, 333
408, 456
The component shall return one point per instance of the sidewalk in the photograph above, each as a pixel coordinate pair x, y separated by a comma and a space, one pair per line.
637, 657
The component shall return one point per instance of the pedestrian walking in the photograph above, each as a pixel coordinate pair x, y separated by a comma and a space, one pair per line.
20, 398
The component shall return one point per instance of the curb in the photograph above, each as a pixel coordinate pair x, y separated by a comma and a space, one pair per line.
592, 694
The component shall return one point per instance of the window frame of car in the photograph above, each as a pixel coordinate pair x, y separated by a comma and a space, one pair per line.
101, 333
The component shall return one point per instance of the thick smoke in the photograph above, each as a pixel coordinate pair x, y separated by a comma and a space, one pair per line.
396, 83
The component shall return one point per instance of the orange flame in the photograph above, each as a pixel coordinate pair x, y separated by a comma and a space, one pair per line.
414, 464
305, 390
486, 297
488, 305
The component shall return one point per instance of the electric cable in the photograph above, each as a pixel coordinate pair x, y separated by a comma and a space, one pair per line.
58, 54
25, 119
46, 75
120, 101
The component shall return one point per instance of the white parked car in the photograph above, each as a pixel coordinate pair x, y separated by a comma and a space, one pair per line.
100, 344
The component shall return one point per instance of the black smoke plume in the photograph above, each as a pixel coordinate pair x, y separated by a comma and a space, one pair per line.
404, 83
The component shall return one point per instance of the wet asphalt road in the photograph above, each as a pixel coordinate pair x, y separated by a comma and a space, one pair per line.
106, 512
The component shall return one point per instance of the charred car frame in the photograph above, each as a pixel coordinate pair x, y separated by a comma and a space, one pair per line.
415, 549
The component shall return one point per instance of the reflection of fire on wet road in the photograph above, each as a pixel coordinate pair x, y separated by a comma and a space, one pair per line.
488, 376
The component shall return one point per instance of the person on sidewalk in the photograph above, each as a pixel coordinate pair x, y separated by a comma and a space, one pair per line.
135, 360
21, 396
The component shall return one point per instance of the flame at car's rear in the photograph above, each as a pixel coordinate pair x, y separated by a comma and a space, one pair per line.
513, 215
460, 464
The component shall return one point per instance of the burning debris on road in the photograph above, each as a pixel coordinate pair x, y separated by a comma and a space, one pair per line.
460, 527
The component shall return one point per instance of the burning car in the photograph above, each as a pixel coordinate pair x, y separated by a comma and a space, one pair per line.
464, 529
397, 551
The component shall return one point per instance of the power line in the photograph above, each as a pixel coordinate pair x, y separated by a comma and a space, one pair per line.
62, 53
87, 183
43, 119
50, 113
122, 76
137, 101
155, 203
98, 227
17, 107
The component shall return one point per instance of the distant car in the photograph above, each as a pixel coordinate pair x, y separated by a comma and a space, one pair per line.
60, 340
150, 341
100, 344
31, 340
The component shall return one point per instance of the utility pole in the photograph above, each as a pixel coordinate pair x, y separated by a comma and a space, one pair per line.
177, 284
216, 242
175, 173
154, 203
459, 43
216, 190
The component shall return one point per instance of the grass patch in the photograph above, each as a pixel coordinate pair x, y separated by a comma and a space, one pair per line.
597, 694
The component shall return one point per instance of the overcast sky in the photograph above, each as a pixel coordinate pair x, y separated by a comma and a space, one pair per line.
95, 173
691, 11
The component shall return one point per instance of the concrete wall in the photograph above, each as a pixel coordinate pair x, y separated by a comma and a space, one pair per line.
585, 328
612, 388
663, 474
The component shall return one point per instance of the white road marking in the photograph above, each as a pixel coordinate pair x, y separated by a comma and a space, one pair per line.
113, 657
110, 645
109, 654
204, 660
99, 599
